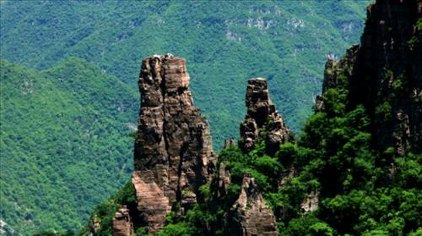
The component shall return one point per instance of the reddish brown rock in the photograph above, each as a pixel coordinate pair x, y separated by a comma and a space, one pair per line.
122, 224
152, 204
249, 215
261, 114
173, 149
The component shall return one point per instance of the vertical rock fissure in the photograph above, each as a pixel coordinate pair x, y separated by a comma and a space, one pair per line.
182, 152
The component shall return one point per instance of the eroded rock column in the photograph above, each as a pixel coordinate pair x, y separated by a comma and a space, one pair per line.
173, 148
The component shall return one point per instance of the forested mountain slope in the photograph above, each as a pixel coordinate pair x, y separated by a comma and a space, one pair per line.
64, 143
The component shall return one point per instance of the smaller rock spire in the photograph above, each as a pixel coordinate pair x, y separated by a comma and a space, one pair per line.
261, 116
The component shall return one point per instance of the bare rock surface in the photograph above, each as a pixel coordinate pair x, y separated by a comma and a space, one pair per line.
152, 204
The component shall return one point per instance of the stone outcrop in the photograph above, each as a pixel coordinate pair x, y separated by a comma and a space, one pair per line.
173, 151
261, 115
229, 143
122, 224
387, 76
335, 68
249, 215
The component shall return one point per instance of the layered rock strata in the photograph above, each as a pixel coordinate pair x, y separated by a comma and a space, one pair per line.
173, 150
261, 115
249, 215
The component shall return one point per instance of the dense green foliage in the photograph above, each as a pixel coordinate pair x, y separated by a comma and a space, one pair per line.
63, 133
64, 120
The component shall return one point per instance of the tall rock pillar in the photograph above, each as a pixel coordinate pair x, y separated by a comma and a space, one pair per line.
173, 150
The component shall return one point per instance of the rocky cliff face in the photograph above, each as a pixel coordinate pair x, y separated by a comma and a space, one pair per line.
334, 71
261, 115
173, 150
389, 71
385, 74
